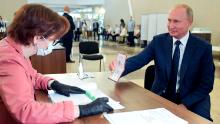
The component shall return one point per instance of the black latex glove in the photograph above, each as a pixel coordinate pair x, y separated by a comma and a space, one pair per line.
65, 90
96, 107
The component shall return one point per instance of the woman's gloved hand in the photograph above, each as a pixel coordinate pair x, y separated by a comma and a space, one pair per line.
96, 107
65, 90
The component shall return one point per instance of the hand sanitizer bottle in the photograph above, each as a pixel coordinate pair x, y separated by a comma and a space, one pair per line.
81, 73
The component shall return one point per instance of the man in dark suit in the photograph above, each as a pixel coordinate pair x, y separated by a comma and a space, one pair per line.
78, 29
1, 22
183, 64
67, 39
95, 26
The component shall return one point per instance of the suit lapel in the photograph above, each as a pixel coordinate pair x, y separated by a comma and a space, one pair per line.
187, 56
168, 53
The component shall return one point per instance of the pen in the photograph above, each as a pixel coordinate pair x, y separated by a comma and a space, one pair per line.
90, 96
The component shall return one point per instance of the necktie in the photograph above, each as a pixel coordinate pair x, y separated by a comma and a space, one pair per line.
171, 89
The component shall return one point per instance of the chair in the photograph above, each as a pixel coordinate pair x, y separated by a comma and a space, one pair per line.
89, 50
149, 77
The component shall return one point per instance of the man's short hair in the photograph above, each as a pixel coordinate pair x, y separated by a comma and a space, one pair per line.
189, 10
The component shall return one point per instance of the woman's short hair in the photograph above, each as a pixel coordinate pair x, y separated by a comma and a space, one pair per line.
36, 20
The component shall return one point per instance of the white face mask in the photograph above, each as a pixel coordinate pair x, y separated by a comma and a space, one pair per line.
44, 52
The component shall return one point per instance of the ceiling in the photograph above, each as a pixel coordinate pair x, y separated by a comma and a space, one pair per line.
73, 4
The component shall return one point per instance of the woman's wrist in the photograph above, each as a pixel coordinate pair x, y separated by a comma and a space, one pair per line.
77, 112
49, 84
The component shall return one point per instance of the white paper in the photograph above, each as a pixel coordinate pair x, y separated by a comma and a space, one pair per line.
151, 116
114, 104
69, 78
82, 99
76, 99
72, 78
119, 67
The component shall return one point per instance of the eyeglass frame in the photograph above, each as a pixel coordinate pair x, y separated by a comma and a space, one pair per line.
55, 42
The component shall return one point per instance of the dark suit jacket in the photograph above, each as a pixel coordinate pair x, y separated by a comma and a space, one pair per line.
196, 71
95, 26
69, 35
2, 24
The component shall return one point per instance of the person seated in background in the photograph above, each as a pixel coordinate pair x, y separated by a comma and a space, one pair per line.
84, 29
109, 32
32, 31
137, 32
102, 32
116, 32
184, 67
123, 35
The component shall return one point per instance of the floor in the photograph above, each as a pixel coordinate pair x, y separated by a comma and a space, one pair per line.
110, 51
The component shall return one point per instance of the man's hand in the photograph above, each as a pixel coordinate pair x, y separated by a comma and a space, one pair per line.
182, 106
112, 65
65, 90
96, 107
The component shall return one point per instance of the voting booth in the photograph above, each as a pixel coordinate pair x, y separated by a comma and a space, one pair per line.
153, 24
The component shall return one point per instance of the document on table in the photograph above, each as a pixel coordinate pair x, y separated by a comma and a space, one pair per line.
151, 116
70, 78
82, 99
119, 67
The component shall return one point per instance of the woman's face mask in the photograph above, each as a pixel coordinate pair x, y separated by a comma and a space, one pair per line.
44, 52
41, 50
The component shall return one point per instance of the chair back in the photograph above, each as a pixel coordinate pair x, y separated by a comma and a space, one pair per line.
149, 77
88, 47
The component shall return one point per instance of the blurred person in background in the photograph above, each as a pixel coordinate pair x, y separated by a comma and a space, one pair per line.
67, 39
131, 26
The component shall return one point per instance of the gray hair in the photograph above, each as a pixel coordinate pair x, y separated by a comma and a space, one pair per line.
188, 9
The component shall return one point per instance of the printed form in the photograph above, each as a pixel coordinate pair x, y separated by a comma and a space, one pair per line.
151, 116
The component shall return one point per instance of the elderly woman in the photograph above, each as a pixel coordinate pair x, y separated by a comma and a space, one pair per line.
33, 30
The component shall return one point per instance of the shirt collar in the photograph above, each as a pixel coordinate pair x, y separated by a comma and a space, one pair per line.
183, 40
66, 12
15, 45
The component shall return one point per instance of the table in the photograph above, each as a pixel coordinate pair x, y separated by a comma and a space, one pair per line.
51, 64
132, 96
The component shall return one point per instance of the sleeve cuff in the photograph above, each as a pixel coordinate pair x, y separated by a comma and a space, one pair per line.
49, 84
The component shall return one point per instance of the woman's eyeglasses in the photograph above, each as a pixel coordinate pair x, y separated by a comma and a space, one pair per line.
55, 42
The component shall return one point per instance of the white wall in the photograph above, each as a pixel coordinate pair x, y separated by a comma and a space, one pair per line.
115, 10
69, 2
8, 8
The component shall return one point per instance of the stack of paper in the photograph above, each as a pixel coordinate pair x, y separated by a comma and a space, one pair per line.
151, 116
